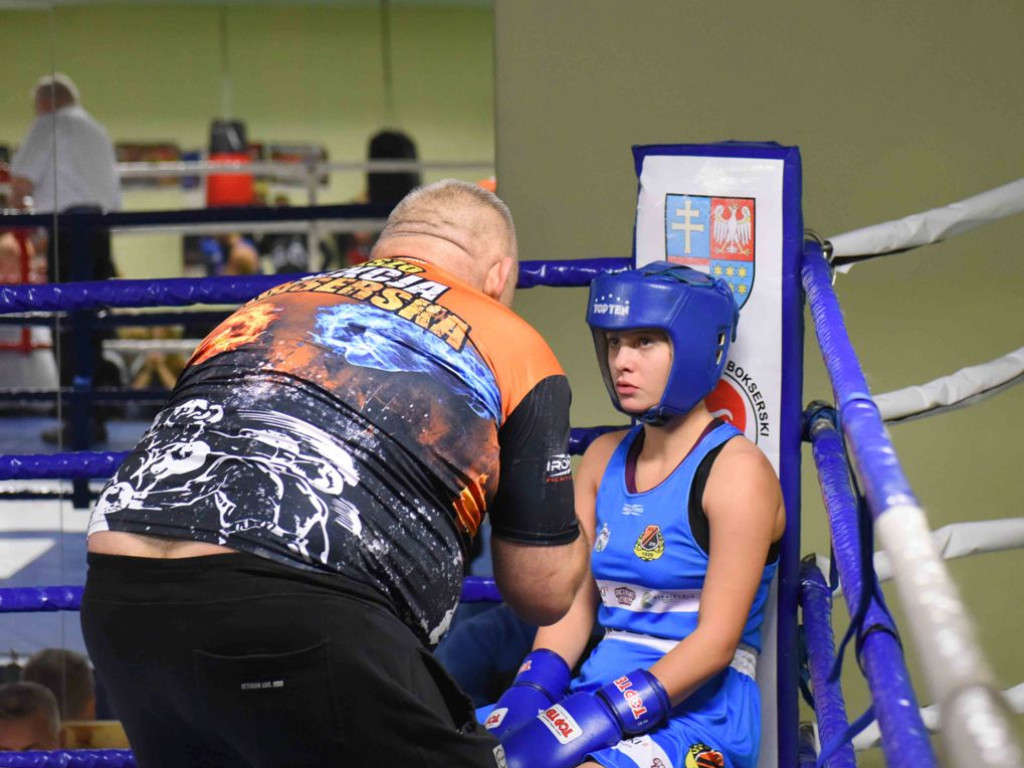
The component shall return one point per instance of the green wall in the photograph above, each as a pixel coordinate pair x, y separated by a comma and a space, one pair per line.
897, 108
297, 72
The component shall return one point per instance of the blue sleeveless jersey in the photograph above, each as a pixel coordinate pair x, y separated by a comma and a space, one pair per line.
650, 571
649, 568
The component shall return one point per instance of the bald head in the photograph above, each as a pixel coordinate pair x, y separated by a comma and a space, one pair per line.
53, 92
460, 227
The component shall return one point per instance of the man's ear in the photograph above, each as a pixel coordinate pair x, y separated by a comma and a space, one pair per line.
500, 280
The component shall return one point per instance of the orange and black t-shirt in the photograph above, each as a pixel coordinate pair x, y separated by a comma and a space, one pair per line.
360, 422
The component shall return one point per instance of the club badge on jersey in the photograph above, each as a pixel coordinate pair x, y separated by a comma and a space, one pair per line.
650, 545
702, 756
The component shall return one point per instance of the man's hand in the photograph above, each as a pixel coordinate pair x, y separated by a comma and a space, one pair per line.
21, 188
564, 734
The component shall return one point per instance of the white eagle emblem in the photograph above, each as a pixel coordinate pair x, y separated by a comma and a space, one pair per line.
733, 230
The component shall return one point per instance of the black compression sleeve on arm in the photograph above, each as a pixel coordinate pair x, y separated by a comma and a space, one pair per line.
534, 503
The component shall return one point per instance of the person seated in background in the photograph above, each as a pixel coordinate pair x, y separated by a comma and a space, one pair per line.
29, 718
68, 675
684, 515
157, 369
230, 254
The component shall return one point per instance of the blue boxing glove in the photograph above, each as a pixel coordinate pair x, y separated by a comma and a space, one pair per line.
541, 681
564, 734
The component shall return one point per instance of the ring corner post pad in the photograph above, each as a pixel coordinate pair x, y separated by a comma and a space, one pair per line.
733, 209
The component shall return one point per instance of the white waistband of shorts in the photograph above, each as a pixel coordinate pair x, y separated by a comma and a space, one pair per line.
743, 661
641, 599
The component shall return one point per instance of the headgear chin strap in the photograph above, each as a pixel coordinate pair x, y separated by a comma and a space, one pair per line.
696, 311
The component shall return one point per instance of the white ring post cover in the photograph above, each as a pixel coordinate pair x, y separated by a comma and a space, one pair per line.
733, 210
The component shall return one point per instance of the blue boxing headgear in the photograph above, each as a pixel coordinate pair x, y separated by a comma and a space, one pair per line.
696, 311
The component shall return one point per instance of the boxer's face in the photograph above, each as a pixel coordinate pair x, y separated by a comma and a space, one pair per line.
639, 362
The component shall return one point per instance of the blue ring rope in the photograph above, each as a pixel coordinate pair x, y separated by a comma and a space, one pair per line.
185, 291
40, 599
475, 589
92, 465
65, 758
60, 466
829, 702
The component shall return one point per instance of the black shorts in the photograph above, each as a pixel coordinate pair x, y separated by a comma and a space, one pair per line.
232, 660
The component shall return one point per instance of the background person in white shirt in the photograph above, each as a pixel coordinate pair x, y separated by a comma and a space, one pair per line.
66, 165
66, 160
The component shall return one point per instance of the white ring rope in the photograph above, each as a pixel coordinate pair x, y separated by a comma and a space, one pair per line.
955, 541
255, 227
931, 226
965, 387
294, 170
163, 346
975, 724
306, 171
871, 737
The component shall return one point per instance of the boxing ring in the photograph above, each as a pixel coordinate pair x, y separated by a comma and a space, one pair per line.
865, 492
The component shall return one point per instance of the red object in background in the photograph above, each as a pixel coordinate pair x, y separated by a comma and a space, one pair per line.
230, 188
24, 274
228, 145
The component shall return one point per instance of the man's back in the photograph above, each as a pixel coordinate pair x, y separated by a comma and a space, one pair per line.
84, 158
347, 423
